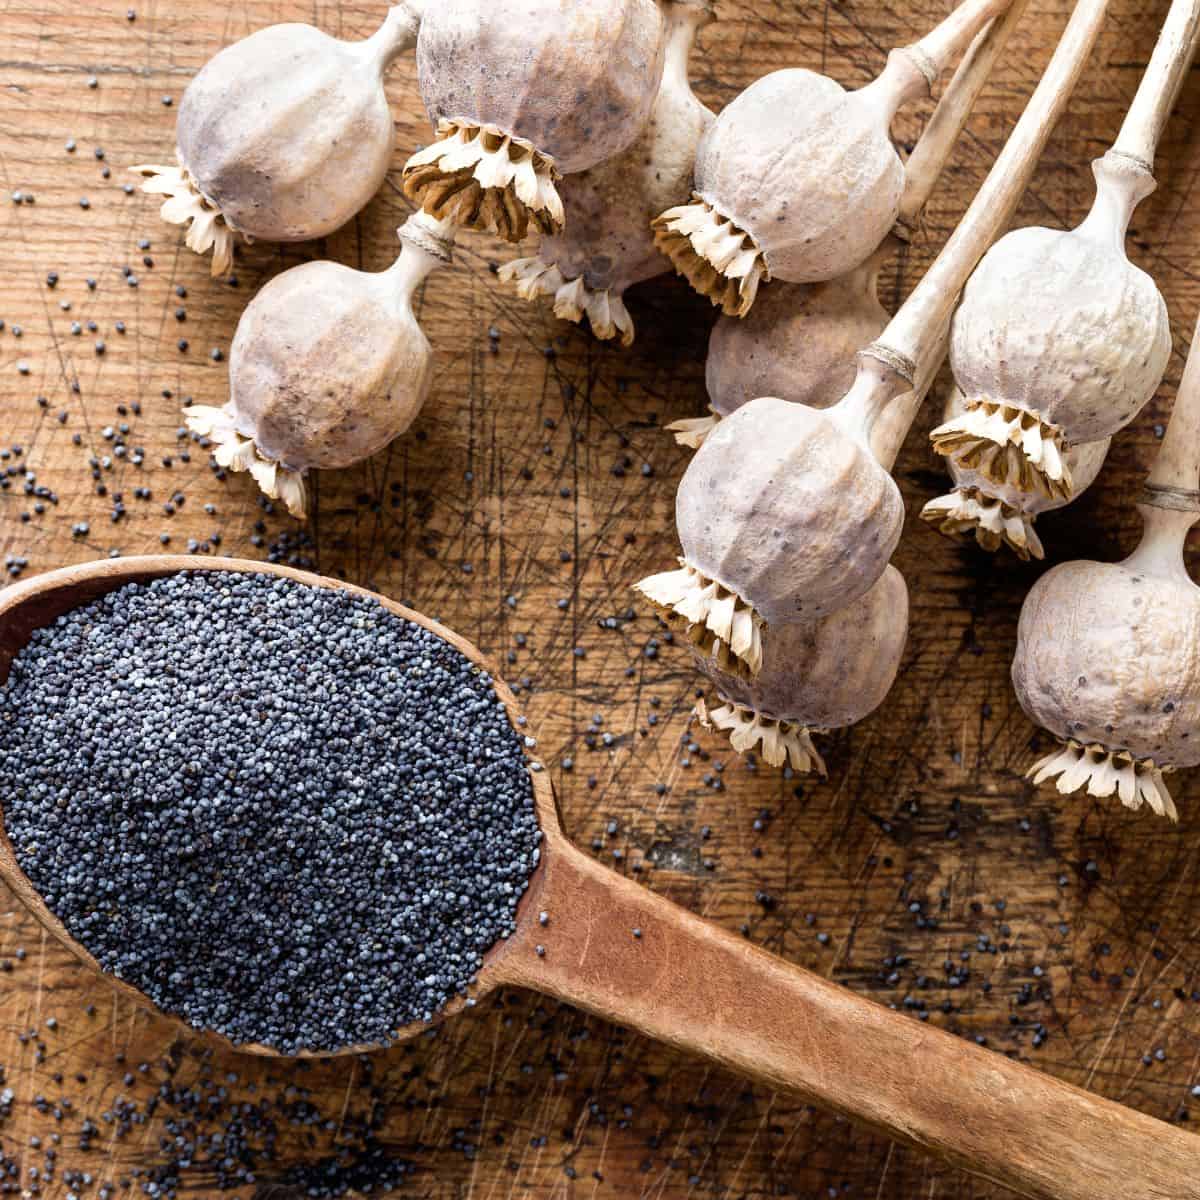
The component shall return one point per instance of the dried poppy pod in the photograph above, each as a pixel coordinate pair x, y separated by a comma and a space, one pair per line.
523, 92
282, 137
784, 515
815, 676
999, 514
1059, 339
607, 245
1106, 661
798, 342
798, 179
328, 365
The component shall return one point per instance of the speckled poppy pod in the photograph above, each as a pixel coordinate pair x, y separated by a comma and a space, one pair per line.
1060, 339
1104, 661
798, 179
607, 245
998, 514
328, 365
1108, 654
523, 92
814, 677
282, 137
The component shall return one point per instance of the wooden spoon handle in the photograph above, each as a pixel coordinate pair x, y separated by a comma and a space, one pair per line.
688, 983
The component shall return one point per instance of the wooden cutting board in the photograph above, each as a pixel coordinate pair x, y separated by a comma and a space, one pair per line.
535, 488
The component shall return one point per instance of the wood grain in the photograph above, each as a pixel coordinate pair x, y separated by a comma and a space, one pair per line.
1077, 919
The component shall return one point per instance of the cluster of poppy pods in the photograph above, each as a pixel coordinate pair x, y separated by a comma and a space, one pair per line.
578, 121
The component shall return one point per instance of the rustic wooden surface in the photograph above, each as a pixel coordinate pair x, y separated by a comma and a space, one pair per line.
536, 486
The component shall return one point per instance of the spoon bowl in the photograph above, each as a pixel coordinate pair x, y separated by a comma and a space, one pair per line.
39, 601
615, 949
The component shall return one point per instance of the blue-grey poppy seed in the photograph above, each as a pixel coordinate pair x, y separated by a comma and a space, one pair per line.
295, 818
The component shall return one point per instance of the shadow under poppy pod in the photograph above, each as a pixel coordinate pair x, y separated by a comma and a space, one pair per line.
1060, 338
607, 245
798, 179
523, 92
328, 365
998, 514
282, 137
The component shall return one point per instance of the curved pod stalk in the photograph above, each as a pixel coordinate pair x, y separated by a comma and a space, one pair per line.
328, 365
282, 137
607, 245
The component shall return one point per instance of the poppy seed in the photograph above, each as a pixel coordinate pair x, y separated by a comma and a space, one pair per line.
294, 817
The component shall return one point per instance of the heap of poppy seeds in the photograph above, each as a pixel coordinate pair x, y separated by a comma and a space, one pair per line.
282, 812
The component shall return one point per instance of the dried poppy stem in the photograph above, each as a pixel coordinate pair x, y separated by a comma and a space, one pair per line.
799, 180
941, 133
1060, 339
328, 365
607, 245
785, 514
282, 137
1107, 653
799, 341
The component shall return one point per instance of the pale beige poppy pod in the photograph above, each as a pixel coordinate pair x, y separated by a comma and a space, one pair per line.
798, 342
282, 137
783, 515
523, 92
1106, 661
607, 245
1059, 339
998, 514
328, 365
796, 180
815, 676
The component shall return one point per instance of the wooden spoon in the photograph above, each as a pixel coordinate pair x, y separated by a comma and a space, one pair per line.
695, 986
